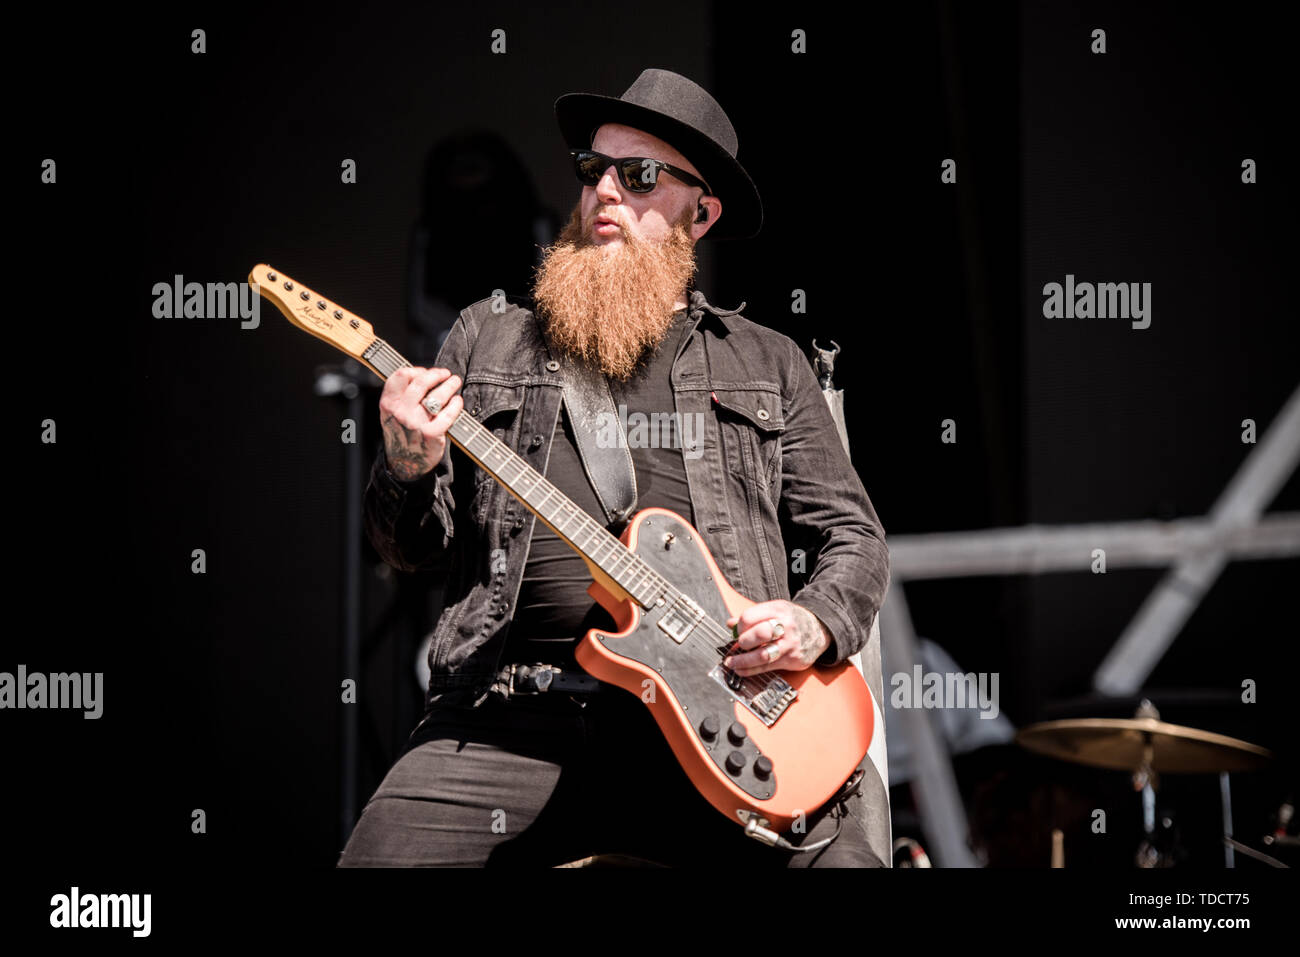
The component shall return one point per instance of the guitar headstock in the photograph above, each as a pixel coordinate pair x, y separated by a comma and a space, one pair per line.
312, 312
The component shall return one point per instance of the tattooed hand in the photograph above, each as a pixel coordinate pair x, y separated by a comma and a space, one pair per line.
801, 641
413, 439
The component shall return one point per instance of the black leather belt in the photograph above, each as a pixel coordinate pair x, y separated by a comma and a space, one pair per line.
538, 679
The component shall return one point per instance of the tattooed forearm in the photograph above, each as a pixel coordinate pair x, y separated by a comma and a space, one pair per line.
407, 457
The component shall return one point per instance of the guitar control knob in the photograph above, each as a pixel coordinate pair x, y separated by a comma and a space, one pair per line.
735, 762
763, 768
709, 728
736, 733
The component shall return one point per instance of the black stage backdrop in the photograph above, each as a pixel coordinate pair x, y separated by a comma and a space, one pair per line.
222, 689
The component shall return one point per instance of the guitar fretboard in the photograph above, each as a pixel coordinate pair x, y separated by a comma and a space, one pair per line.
582, 533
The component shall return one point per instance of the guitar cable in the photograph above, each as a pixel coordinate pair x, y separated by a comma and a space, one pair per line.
773, 839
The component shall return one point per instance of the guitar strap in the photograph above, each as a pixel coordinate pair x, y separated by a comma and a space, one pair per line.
586, 399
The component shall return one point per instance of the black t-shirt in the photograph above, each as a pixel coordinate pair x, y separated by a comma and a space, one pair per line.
554, 609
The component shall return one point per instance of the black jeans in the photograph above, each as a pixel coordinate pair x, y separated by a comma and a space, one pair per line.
547, 779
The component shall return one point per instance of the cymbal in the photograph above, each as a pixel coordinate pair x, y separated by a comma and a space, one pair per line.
1120, 743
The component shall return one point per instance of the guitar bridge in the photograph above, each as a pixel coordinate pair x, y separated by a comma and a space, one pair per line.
766, 695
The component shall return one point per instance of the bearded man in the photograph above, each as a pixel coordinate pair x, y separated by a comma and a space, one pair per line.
521, 758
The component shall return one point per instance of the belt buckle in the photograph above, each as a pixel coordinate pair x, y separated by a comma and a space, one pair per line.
536, 676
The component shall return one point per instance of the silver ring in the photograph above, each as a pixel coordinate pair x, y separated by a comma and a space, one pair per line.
773, 652
778, 629
433, 406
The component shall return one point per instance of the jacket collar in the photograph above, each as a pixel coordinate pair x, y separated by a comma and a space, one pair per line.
701, 308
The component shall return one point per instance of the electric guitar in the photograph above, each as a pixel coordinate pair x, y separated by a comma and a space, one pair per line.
763, 749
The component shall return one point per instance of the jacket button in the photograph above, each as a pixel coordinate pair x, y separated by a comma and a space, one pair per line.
762, 414
519, 524
537, 441
552, 366
475, 411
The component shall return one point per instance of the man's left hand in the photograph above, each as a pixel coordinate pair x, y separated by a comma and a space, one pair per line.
776, 636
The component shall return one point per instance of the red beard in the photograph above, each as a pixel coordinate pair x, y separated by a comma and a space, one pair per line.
609, 307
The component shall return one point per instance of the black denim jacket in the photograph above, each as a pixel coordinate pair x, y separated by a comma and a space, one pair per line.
774, 494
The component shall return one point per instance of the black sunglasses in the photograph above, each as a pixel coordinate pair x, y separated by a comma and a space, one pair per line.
639, 174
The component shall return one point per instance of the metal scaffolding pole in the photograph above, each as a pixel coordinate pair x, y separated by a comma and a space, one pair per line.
1166, 610
943, 817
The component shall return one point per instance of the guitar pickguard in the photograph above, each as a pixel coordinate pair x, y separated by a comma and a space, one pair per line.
695, 675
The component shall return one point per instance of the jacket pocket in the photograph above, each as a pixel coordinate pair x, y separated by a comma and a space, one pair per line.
751, 421
485, 395
760, 407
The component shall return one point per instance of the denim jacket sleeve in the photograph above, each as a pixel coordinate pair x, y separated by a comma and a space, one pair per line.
411, 524
824, 499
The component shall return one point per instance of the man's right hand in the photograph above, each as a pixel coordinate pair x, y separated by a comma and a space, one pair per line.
413, 440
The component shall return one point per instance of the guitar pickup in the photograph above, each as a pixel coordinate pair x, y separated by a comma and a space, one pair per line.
680, 619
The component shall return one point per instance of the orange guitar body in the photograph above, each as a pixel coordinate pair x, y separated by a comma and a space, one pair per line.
813, 745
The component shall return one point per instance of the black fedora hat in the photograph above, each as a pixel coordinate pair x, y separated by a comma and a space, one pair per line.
681, 113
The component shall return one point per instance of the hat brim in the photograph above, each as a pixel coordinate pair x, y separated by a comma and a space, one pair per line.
579, 115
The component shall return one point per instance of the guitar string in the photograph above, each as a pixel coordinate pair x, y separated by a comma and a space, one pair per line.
719, 632
721, 637
396, 360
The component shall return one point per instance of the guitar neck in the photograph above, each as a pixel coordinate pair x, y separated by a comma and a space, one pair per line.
606, 556
570, 522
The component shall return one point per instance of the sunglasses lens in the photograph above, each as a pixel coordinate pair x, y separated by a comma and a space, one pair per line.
640, 175
589, 167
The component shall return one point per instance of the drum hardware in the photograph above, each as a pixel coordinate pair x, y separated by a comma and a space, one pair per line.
1146, 747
